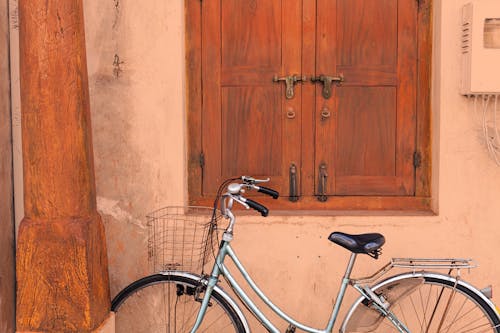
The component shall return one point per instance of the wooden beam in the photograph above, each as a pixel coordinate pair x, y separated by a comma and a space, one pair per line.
7, 255
62, 273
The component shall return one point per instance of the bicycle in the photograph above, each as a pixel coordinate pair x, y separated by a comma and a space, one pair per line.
418, 300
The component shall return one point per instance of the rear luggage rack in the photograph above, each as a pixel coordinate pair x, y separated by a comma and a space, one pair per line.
420, 264
425, 263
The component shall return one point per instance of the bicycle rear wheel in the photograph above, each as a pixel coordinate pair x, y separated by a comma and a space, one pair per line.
170, 303
427, 304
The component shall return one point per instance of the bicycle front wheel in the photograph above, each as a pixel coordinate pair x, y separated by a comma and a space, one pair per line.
428, 304
170, 303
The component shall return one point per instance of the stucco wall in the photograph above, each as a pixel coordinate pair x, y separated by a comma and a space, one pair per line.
137, 85
136, 72
7, 268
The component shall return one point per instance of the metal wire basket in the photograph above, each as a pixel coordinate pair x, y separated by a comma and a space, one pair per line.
181, 238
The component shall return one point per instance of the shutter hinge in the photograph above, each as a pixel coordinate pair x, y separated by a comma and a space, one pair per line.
417, 159
202, 160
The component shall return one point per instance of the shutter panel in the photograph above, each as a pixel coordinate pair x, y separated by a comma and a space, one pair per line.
245, 129
368, 145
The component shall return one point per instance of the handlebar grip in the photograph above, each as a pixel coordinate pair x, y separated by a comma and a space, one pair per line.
258, 207
268, 191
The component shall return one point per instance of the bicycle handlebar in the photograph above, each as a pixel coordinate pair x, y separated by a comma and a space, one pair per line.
236, 189
268, 191
257, 206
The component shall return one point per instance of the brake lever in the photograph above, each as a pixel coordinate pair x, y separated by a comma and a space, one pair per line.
250, 180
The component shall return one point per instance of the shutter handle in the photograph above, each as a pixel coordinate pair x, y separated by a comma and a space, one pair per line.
327, 83
293, 195
323, 175
290, 81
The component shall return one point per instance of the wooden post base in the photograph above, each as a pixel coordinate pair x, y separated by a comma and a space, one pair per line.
108, 326
62, 276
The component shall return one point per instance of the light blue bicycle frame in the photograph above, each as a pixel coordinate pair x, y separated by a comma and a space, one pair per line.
377, 302
219, 268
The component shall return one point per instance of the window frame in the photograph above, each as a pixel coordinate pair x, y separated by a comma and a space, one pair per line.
421, 202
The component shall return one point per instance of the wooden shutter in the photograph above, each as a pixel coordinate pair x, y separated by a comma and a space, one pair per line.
365, 136
367, 145
245, 130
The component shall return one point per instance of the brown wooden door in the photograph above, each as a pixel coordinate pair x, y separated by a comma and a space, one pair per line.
245, 127
368, 141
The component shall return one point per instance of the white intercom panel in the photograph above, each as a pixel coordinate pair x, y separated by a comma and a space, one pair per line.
480, 48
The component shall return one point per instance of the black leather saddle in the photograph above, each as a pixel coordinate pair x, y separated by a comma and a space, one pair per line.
365, 243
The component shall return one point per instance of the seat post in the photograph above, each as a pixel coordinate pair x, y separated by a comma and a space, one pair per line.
342, 290
350, 266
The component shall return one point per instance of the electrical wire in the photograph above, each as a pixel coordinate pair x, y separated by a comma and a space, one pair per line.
491, 140
474, 108
497, 136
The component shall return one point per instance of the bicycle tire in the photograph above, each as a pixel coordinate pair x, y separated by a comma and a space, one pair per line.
422, 308
167, 303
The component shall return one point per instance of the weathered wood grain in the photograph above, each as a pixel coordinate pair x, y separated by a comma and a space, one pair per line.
7, 255
62, 274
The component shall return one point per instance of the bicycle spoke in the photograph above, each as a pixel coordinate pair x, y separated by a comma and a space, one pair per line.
210, 324
416, 312
187, 325
402, 313
458, 316
424, 319
439, 296
426, 309
488, 329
